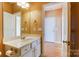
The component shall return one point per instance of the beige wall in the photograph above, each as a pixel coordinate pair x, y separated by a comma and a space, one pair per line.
8, 7
11, 7
33, 17
1, 29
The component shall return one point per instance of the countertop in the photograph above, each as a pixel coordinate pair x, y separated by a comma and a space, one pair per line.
19, 43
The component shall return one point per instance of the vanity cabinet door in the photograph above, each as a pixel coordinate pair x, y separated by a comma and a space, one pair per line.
25, 49
37, 48
37, 51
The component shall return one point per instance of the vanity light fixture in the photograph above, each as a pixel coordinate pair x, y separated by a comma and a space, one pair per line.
23, 4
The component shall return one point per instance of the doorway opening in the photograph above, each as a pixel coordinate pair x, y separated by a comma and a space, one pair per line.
55, 41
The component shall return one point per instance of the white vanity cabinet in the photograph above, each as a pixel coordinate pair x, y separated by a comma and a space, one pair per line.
32, 49
36, 47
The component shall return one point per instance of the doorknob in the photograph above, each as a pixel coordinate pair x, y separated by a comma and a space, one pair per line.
67, 42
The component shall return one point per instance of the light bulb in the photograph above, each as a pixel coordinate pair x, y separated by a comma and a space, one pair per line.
27, 5
19, 3
23, 4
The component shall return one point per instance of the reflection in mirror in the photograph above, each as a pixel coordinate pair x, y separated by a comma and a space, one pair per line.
18, 24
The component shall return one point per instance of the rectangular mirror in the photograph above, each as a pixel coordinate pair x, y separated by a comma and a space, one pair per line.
11, 21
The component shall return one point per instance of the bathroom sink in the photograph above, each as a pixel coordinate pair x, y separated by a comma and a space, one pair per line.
20, 42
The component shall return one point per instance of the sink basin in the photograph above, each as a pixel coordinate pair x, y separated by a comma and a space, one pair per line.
18, 42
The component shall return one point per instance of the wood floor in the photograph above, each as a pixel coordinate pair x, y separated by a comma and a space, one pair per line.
52, 49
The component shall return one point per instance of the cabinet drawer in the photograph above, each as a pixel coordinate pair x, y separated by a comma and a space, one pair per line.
25, 49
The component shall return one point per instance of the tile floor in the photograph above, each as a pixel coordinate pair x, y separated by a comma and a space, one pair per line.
52, 49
